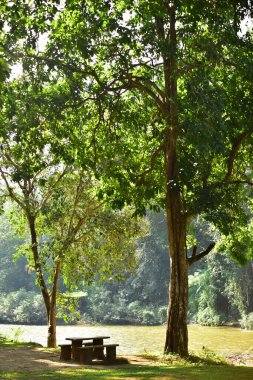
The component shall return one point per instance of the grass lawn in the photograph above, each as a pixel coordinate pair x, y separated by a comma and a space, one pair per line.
205, 372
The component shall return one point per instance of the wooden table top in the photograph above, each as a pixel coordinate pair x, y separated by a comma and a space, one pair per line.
87, 338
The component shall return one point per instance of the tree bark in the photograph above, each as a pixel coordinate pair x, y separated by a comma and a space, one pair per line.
50, 302
37, 263
51, 337
176, 334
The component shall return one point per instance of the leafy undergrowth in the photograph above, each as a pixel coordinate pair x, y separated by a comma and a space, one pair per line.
13, 342
204, 357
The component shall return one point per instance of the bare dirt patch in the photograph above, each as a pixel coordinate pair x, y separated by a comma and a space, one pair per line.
240, 359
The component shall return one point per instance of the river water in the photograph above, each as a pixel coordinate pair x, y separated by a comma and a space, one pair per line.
140, 339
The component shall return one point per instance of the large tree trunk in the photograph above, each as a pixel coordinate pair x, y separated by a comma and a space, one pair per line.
176, 335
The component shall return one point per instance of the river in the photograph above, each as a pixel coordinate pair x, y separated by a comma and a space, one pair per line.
139, 339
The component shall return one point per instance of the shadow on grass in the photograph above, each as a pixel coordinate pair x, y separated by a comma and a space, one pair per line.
202, 372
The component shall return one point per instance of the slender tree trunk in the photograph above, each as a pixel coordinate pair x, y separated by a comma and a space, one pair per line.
50, 302
51, 323
51, 338
37, 263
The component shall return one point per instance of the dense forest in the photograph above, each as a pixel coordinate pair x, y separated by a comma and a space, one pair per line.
220, 291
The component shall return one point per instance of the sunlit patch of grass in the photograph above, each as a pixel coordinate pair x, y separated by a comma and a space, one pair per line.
203, 357
206, 356
11, 342
207, 372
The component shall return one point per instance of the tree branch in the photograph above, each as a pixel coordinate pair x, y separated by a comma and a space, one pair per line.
51, 190
194, 258
151, 83
152, 163
159, 103
234, 150
11, 193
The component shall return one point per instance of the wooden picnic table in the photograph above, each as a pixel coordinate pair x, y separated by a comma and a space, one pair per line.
77, 342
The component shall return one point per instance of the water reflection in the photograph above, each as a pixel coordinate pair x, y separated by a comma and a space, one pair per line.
138, 339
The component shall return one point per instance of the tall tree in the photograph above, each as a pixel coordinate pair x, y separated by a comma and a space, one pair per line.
71, 234
172, 82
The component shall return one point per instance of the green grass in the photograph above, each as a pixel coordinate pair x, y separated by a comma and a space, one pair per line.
18, 344
6, 341
205, 372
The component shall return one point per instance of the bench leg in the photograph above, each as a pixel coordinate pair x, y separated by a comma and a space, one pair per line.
93, 353
111, 354
99, 353
85, 356
65, 353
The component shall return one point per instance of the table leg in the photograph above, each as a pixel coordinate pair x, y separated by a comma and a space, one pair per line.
98, 352
75, 352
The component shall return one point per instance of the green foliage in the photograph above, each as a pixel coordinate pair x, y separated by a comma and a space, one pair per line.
202, 299
106, 308
111, 302
22, 306
14, 274
220, 291
70, 230
247, 321
143, 293
208, 316
214, 72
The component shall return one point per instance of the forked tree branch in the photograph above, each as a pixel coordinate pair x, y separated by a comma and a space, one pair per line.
11, 193
196, 257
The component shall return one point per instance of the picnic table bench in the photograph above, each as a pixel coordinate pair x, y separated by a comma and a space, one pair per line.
85, 352
77, 342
